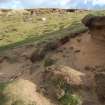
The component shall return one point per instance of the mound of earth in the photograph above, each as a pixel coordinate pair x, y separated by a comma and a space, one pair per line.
57, 73
100, 86
21, 92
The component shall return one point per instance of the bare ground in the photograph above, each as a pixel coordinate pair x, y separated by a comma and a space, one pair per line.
81, 53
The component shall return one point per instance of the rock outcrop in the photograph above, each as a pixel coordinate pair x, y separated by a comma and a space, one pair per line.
96, 26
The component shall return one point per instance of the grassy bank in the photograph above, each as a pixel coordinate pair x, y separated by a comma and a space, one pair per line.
18, 30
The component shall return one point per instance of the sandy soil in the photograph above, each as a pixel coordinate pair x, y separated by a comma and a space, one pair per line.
82, 53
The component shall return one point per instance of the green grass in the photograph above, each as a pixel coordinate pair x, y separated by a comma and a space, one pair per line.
18, 30
2, 97
69, 99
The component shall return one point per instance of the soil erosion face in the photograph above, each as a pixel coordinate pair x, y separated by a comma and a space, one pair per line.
80, 63
96, 25
86, 55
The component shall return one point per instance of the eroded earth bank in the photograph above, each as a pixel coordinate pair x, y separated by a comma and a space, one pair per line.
72, 71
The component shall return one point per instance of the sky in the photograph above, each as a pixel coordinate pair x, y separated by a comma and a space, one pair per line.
79, 4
